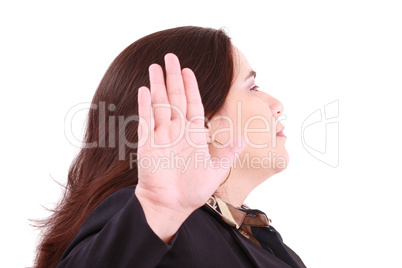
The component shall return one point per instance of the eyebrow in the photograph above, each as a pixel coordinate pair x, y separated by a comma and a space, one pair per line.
252, 73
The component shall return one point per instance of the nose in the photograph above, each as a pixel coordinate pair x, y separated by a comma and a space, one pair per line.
275, 105
278, 108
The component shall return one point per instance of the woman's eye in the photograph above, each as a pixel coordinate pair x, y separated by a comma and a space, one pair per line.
255, 88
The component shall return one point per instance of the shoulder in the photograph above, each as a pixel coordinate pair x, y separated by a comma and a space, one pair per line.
115, 201
125, 199
109, 207
100, 216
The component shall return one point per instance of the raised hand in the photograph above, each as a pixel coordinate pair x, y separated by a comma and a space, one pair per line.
172, 115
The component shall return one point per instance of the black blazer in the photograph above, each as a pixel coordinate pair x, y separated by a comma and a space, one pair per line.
116, 234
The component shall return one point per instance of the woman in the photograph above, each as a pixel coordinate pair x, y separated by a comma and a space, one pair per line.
175, 198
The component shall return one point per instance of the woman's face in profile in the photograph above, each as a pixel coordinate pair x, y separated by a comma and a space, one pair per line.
252, 114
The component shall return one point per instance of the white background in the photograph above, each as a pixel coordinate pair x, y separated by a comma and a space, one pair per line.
306, 53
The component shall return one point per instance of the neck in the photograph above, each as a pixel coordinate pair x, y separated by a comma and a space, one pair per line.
231, 195
236, 189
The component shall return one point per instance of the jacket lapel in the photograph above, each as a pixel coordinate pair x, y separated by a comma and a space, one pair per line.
259, 256
259, 250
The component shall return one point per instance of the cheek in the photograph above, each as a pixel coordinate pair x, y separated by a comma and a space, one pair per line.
257, 125
248, 112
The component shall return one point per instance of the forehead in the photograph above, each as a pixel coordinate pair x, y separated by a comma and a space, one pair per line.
241, 65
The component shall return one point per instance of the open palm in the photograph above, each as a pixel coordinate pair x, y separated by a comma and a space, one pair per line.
171, 114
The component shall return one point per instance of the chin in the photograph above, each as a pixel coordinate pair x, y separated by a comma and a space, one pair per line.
282, 161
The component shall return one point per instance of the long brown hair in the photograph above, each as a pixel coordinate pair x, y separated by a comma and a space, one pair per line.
98, 171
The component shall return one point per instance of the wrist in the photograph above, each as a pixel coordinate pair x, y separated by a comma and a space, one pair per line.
163, 221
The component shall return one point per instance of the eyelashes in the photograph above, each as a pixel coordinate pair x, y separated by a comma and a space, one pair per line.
255, 88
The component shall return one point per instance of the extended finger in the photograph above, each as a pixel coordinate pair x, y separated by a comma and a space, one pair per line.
175, 86
195, 108
161, 107
145, 116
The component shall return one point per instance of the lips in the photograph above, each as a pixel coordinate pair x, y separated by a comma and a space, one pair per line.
280, 133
